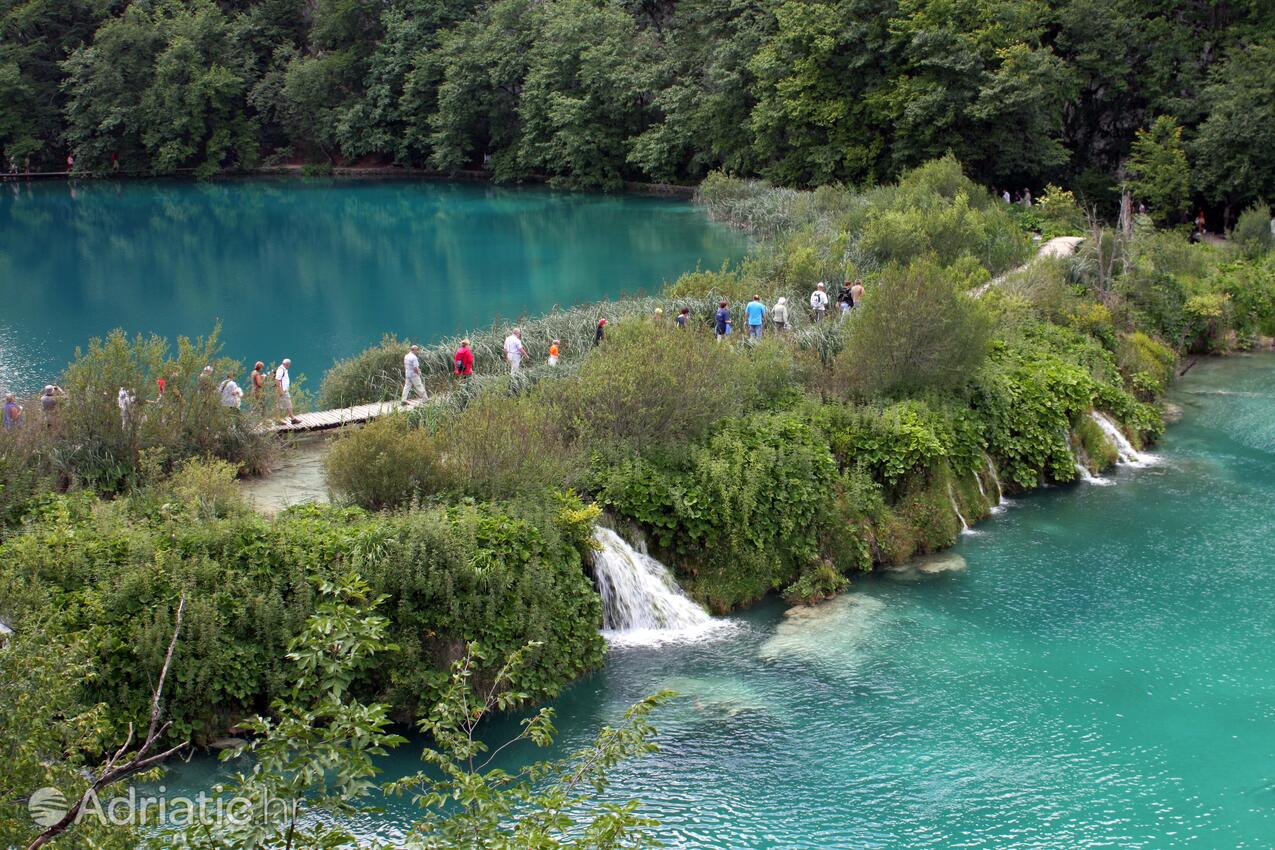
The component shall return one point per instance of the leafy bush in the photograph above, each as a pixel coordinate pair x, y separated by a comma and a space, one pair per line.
110, 575
914, 332
819, 582
742, 516
386, 463
1252, 231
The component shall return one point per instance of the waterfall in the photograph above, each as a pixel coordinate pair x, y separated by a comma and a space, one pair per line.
641, 603
965, 526
1125, 451
1000, 491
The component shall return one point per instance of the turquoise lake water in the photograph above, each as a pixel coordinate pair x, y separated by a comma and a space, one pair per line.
1101, 675
317, 269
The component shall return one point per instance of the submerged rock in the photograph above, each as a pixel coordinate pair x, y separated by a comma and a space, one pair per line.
721, 695
834, 633
927, 565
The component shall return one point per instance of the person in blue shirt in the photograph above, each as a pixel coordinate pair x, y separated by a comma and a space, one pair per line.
756, 311
12, 411
722, 320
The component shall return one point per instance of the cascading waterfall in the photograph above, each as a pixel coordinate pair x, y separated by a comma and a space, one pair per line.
965, 526
641, 603
1125, 451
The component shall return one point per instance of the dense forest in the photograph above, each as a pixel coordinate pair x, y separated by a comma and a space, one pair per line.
592, 93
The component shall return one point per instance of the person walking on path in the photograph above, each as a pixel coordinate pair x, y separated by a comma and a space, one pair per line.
756, 314
845, 300
683, 318
779, 315
463, 361
49, 401
283, 385
600, 333
514, 352
856, 293
412, 374
12, 411
258, 385
553, 353
231, 393
1027, 197
819, 301
722, 320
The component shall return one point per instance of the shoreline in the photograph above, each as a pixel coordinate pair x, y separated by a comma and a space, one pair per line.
358, 172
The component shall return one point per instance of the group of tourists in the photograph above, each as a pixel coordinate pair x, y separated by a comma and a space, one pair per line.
167, 391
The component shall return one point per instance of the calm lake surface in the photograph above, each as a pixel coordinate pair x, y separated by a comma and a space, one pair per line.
317, 269
1101, 675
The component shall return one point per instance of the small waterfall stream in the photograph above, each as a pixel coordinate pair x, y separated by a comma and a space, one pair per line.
1125, 451
641, 602
951, 494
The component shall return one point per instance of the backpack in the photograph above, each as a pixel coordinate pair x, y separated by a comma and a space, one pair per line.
460, 364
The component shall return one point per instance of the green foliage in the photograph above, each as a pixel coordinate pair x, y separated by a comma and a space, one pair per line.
1252, 231
742, 516
1234, 148
545, 805
161, 85
315, 753
915, 331
110, 574
821, 581
386, 463
1159, 173
50, 733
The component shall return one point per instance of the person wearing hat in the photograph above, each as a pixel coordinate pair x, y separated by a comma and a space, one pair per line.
412, 374
779, 314
283, 385
600, 333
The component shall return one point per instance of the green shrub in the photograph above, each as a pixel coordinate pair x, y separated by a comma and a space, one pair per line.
1252, 231
915, 331
111, 576
386, 463
819, 582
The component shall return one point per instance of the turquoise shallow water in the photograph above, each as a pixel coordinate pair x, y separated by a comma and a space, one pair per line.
1102, 675
317, 269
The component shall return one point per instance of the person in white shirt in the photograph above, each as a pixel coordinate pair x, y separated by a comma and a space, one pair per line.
412, 374
125, 402
283, 384
231, 394
514, 352
819, 301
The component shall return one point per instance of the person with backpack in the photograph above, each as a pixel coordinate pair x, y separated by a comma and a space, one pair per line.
463, 361
819, 301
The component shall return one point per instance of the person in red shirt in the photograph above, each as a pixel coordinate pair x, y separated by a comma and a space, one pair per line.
464, 359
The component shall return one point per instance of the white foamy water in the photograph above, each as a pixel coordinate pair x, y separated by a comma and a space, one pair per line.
641, 602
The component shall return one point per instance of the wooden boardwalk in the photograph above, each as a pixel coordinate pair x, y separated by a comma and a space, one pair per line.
322, 420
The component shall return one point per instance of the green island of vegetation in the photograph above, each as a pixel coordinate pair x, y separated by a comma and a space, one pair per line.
459, 549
